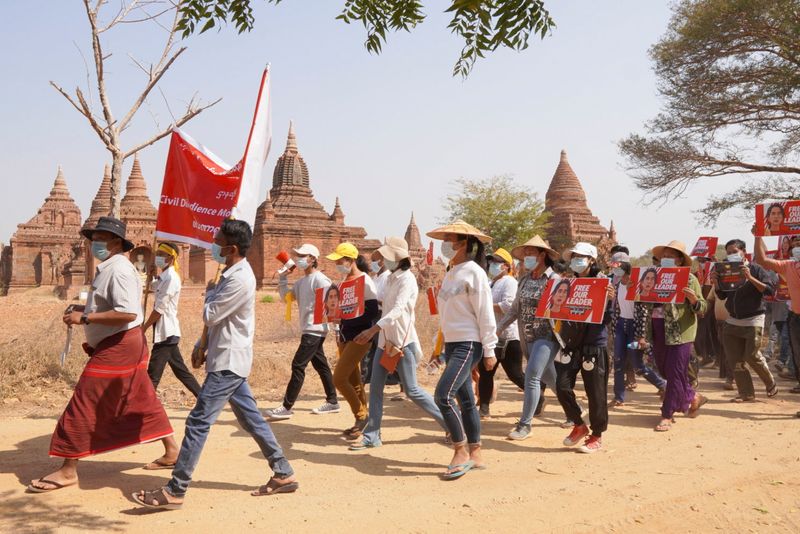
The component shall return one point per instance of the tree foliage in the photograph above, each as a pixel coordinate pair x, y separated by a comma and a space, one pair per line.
729, 74
484, 26
508, 212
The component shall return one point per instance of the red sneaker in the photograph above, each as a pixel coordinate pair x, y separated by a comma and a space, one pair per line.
593, 444
578, 433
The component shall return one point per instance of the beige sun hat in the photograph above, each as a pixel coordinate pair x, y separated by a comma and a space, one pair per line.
394, 249
459, 227
676, 246
536, 241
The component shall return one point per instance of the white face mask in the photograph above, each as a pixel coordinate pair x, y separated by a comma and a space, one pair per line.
447, 250
302, 263
735, 257
619, 272
161, 262
343, 268
667, 262
391, 265
578, 265
375, 267
530, 262
495, 269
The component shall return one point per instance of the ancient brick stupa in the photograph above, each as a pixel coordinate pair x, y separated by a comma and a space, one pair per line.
291, 215
137, 210
571, 220
41, 247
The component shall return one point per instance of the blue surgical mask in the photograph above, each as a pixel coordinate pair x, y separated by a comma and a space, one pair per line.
495, 269
100, 250
734, 257
302, 263
796, 253
578, 265
667, 262
161, 262
342, 268
530, 262
619, 272
447, 250
391, 265
216, 253
375, 267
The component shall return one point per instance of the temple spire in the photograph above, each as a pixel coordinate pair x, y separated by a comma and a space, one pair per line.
291, 139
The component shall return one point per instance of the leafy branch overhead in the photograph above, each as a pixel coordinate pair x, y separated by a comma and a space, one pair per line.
484, 26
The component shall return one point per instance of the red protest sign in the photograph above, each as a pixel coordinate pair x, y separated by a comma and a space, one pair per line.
433, 294
658, 284
574, 299
778, 218
338, 302
706, 247
429, 254
703, 272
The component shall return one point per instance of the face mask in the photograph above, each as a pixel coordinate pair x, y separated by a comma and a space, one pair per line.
734, 257
100, 250
796, 253
447, 250
344, 269
216, 253
578, 265
391, 265
494, 269
619, 272
161, 262
530, 262
302, 263
667, 262
375, 267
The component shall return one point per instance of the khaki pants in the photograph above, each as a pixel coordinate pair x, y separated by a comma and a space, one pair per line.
347, 377
742, 344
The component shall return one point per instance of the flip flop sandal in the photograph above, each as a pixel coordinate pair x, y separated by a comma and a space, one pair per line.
772, 392
461, 470
56, 486
663, 428
740, 400
158, 464
157, 496
273, 488
693, 412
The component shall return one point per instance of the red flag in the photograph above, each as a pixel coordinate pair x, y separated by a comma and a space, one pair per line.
200, 190
429, 255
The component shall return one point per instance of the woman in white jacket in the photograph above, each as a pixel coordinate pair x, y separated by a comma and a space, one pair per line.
469, 328
396, 329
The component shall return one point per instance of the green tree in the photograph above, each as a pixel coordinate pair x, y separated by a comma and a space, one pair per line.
508, 212
729, 75
484, 26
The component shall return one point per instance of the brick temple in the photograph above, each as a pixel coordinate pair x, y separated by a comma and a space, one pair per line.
571, 220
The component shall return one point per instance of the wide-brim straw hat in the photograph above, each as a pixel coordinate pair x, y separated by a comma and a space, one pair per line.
536, 241
677, 246
459, 227
394, 249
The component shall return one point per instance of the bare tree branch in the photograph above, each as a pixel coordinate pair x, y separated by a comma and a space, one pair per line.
155, 76
83, 109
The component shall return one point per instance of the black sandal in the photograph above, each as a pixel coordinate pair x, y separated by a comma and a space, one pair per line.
273, 488
158, 496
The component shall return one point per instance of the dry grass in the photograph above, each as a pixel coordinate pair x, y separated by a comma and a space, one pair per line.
32, 338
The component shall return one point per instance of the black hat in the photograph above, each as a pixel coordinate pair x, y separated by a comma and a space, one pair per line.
112, 226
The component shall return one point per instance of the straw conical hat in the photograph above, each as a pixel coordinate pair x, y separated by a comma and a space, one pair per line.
459, 227
674, 245
538, 242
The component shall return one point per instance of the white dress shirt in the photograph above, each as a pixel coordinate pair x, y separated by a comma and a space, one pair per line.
504, 291
116, 286
168, 291
229, 314
397, 321
380, 284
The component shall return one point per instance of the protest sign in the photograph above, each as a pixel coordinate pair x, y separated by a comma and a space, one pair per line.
574, 299
658, 284
706, 247
729, 275
778, 218
433, 294
338, 302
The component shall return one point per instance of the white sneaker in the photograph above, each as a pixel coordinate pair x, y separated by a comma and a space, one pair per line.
278, 414
326, 408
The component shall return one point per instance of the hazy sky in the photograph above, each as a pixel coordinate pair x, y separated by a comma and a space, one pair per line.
388, 133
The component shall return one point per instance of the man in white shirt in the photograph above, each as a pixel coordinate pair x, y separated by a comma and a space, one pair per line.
229, 314
164, 319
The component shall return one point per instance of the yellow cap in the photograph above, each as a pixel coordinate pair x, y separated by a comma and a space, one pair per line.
504, 255
344, 250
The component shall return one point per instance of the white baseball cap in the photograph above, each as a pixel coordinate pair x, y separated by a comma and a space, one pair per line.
584, 249
306, 249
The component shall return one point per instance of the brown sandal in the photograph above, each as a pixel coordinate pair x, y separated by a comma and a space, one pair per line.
156, 496
273, 488
158, 464
56, 486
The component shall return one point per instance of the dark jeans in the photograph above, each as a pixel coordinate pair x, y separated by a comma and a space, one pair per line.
510, 357
311, 350
595, 382
219, 389
171, 354
464, 424
625, 334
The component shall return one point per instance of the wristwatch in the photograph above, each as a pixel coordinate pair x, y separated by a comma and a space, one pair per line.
85, 318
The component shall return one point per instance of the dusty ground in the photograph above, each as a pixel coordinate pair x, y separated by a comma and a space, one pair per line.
734, 468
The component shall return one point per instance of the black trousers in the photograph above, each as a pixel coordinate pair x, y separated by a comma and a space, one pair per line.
311, 350
510, 357
595, 382
162, 355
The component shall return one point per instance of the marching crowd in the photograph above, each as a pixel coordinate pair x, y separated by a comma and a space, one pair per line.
487, 305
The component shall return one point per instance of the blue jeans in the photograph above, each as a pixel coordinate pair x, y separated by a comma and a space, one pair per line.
219, 388
624, 335
541, 354
407, 369
464, 425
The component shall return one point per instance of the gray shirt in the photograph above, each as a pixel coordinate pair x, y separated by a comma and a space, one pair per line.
229, 314
304, 291
116, 286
